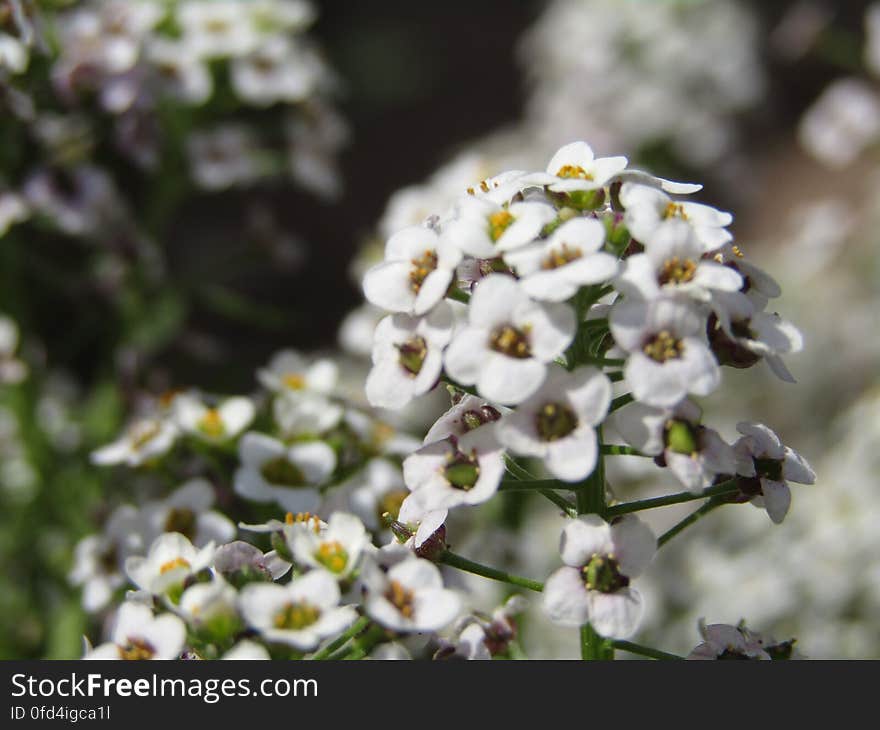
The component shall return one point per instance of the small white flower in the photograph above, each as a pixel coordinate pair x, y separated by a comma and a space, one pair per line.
305, 414
288, 475
668, 353
289, 371
138, 634
275, 71
170, 560
223, 156
188, 511
594, 585
338, 549
408, 356
484, 229
574, 167
218, 29
180, 72
648, 209
672, 264
14, 56
508, 340
421, 522
300, 613
723, 641
144, 440
418, 268
453, 472
557, 423
467, 414
554, 269
410, 597
211, 606
768, 465
12, 370
13, 209
247, 650
694, 453
379, 489
213, 423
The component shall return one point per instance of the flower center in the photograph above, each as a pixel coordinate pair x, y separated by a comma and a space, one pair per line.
510, 341
676, 271
303, 518
170, 565
421, 267
294, 381
332, 555
412, 354
390, 504
462, 470
211, 424
769, 469
602, 573
498, 223
663, 346
136, 649
473, 418
573, 172
296, 615
555, 421
561, 256
401, 598
182, 520
281, 471
681, 437
675, 210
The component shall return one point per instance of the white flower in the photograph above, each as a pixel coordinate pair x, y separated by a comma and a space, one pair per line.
417, 270
211, 606
379, 490
289, 371
275, 71
649, 209
140, 635
337, 549
288, 475
305, 414
12, 370
410, 597
723, 641
554, 269
453, 472
98, 559
668, 353
300, 613
238, 559
574, 167
223, 156
557, 423
694, 453
247, 650
217, 29
170, 561
422, 523
672, 263
213, 423
768, 465
180, 71
14, 54
484, 229
144, 440
594, 586
13, 209
508, 340
408, 356
188, 511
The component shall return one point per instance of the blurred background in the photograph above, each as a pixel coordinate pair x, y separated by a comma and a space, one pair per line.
167, 224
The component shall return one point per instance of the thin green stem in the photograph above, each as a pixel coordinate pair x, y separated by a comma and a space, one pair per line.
356, 628
620, 402
458, 295
615, 377
616, 450
606, 362
727, 487
560, 502
469, 566
465, 388
643, 650
689, 520
594, 646
517, 485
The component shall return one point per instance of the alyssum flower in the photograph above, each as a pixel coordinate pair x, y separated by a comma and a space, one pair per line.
138, 634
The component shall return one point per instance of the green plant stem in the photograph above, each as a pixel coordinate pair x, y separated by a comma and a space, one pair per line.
356, 628
466, 388
727, 487
643, 650
560, 502
458, 295
517, 485
469, 566
689, 520
615, 377
615, 450
620, 402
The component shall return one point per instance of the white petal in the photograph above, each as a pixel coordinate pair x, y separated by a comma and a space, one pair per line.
616, 615
565, 598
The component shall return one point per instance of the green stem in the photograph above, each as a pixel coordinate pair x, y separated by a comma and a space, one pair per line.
465, 388
727, 487
593, 646
560, 502
616, 450
643, 650
356, 628
620, 402
458, 295
615, 377
689, 520
526, 484
606, 362
469, 566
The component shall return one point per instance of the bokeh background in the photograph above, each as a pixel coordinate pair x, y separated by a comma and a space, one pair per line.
775, 107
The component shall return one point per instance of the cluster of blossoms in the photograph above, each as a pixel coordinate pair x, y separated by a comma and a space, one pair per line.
531, 296
534, 297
